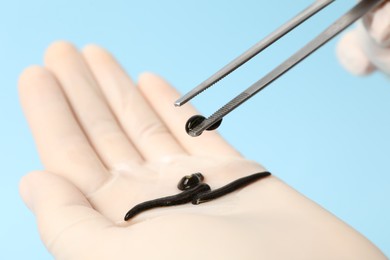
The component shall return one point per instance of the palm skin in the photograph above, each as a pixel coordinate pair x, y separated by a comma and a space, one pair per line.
107, 145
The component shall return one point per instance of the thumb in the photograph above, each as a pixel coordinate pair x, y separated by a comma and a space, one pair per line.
66, 221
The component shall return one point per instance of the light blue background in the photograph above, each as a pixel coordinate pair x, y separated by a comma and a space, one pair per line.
321, 130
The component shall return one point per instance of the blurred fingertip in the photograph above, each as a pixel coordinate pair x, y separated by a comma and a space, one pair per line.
149, 79
26, 187
59, 49
94, 49
352, 57
30, 72
147, 75
30, 81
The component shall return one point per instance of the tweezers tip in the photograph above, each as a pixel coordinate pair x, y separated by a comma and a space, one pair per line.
178, 103
181, 101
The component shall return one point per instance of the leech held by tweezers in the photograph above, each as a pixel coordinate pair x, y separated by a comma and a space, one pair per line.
196, 125
195, 191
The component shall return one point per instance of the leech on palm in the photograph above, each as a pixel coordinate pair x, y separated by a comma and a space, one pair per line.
108, 143
195, 191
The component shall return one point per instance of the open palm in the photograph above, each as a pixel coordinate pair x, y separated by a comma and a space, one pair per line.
107, 145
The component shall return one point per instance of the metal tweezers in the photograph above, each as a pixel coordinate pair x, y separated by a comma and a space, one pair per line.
197, 124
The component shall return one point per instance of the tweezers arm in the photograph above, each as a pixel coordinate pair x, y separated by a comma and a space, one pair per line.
343, 22
253, 51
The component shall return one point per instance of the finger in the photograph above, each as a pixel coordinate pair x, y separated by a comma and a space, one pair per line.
161, 97
62, 145
89, 106
352, 56
143, 126
66, 221
378, 25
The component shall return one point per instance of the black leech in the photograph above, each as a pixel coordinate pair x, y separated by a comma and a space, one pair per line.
195, 191
237, 184
181, 198
190, 181
196, 120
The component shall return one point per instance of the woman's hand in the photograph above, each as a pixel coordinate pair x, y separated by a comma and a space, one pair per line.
107, 145
367, 48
